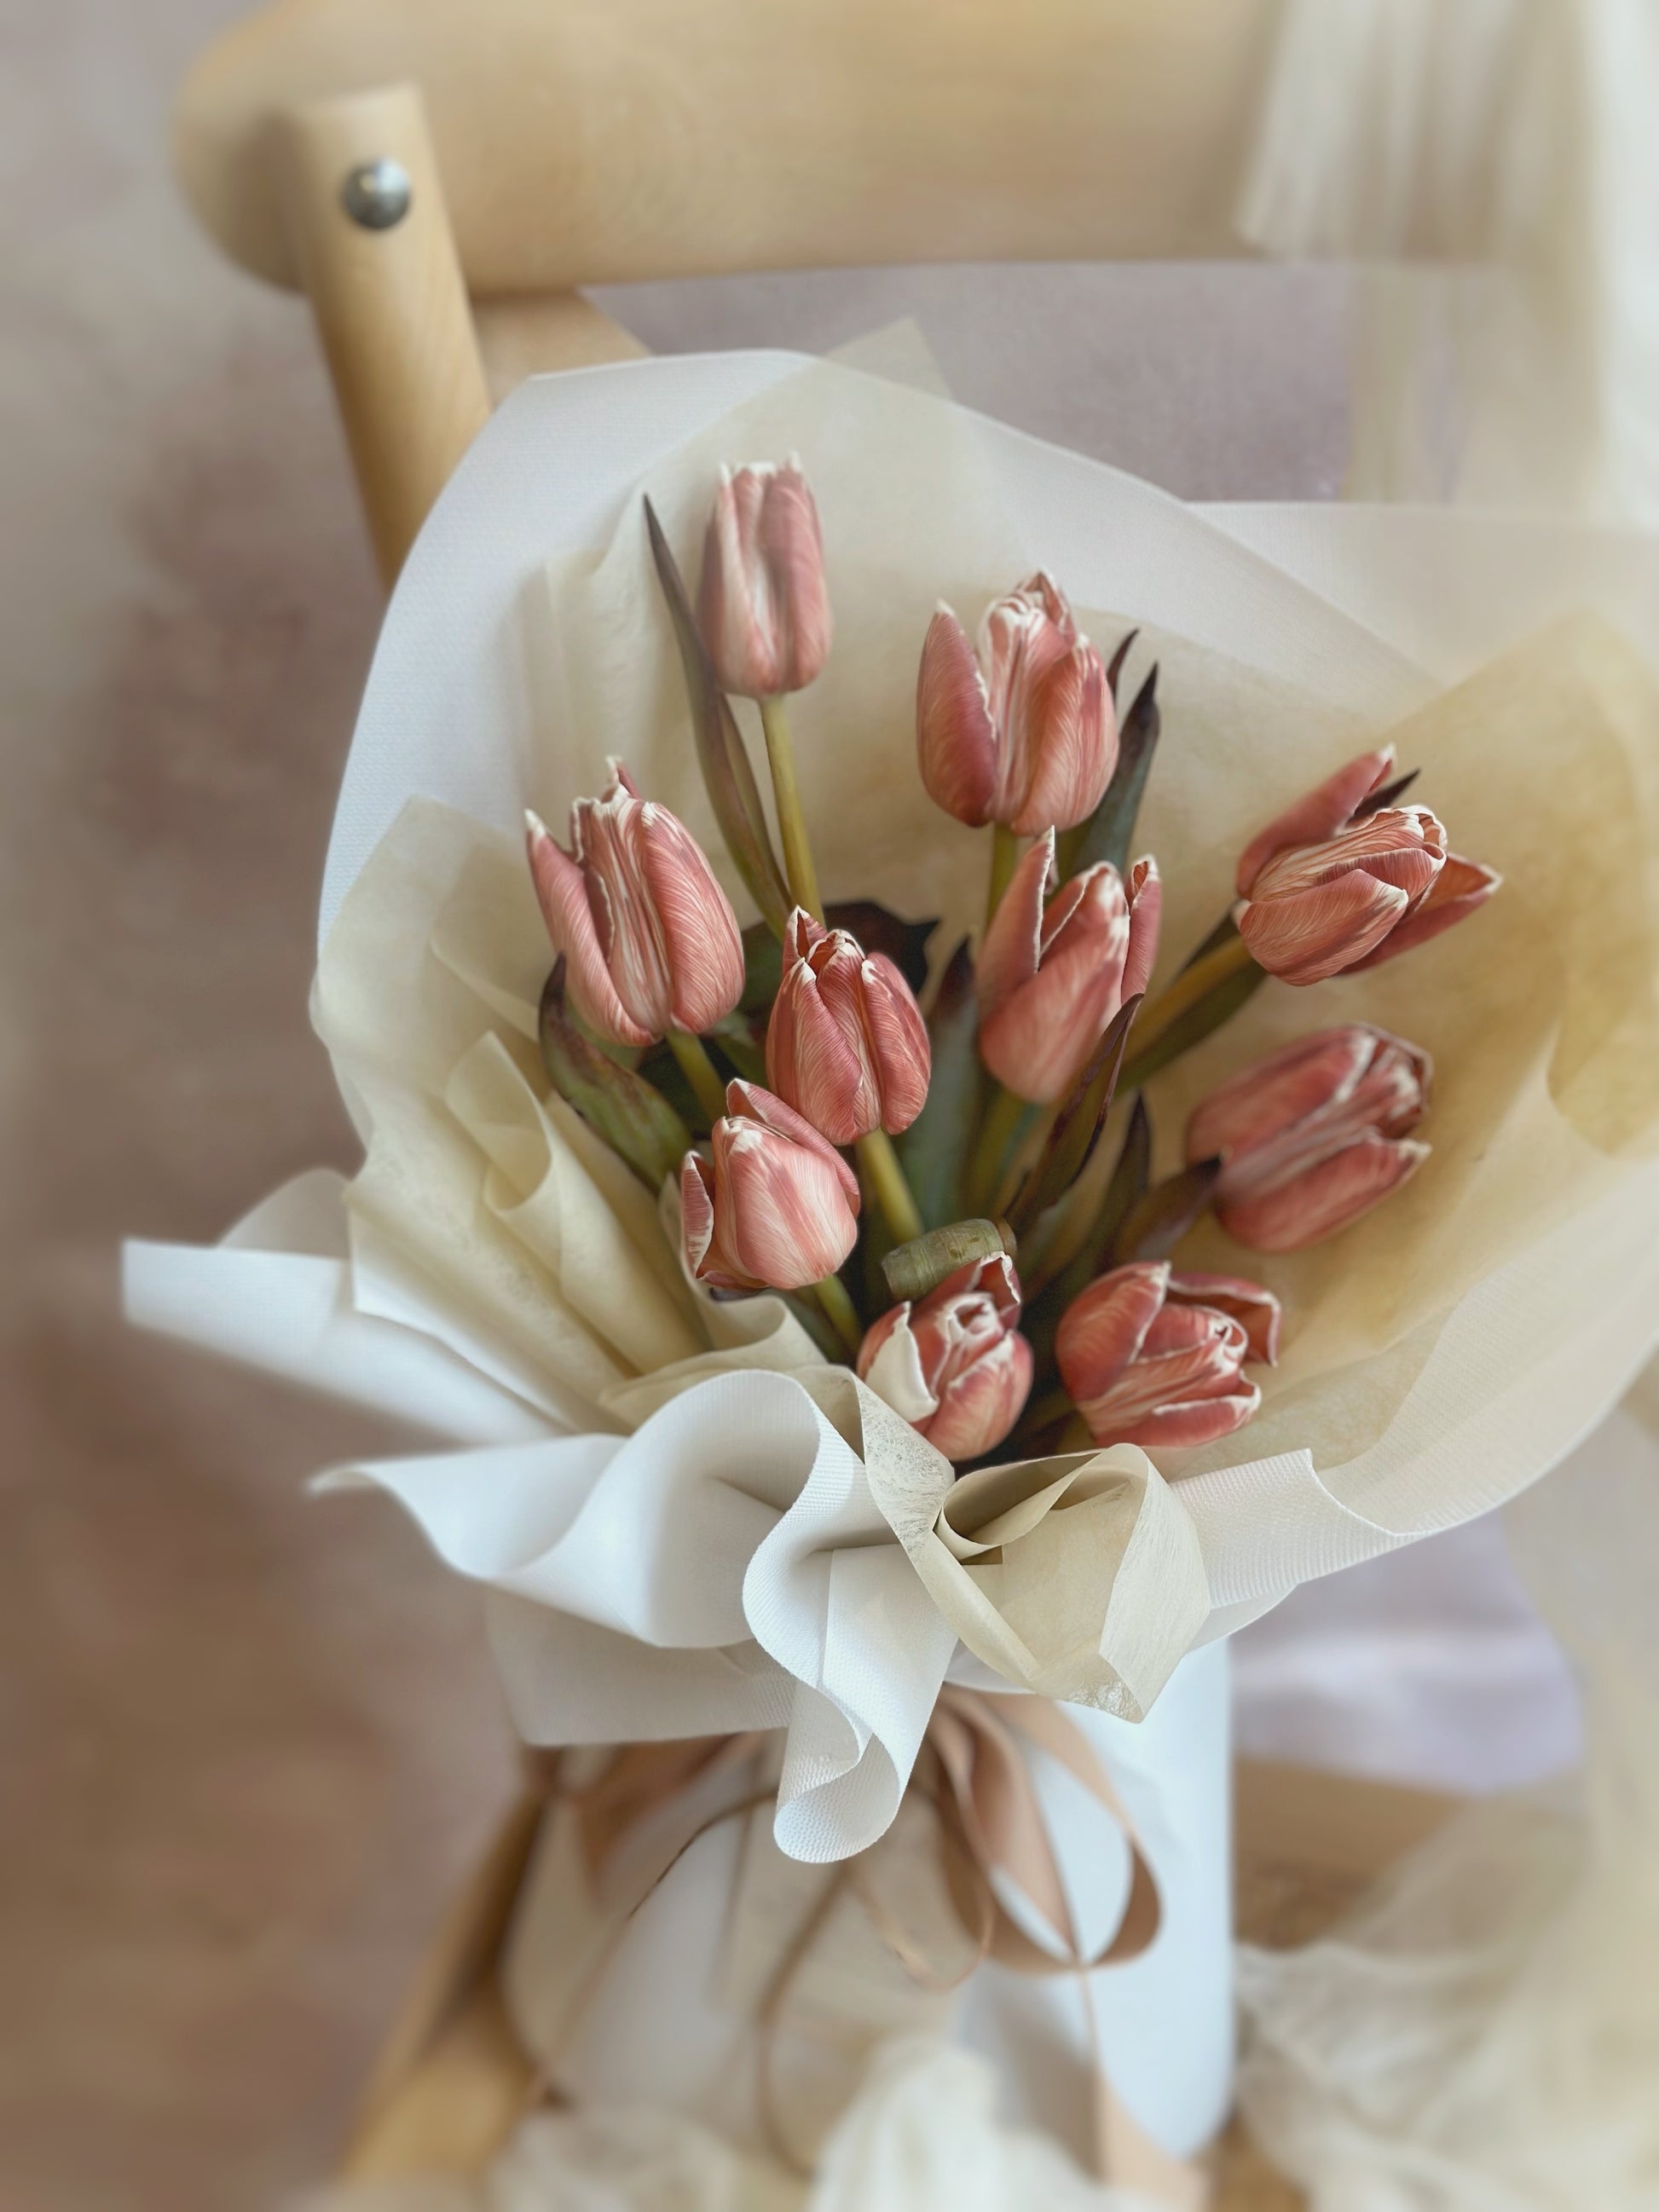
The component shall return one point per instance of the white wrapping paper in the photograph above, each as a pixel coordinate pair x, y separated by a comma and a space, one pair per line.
688, 1525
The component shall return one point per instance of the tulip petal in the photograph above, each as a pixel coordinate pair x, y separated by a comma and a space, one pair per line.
750, 1102
980, 1406
701, 937
812, 1063
1036, 1040
1180, 1427
1317, 816
1277, 1093
1012, 948
781, 1211
1460, 887
763, 601
1105, 1326
898, 1043
955, 737
1256, 1310
1308, 935
1325, 1199
889, 1361
1073, 745
698, 1227
1145, 890
562, 894
791, 547
1405, 845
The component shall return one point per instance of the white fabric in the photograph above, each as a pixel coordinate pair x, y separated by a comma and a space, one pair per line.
1484, 2035
1511, 142
923, 2134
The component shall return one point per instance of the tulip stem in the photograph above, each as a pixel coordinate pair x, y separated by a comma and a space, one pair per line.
832, 1296
996, 1134
1160, 1014
884, 1179
792, 821
700, 1071
1005, 859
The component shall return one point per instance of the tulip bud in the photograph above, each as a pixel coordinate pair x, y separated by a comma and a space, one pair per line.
1051, 978
1151, 1358
651, 942
1330, 887
763, 602
777, 1208
1314, 1135
954, 1363
1024, 733
846, 1044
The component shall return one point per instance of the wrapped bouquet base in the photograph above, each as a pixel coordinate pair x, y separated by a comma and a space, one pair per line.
458, 2095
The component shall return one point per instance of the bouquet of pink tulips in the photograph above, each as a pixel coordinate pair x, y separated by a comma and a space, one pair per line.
994, 1257
829, 1338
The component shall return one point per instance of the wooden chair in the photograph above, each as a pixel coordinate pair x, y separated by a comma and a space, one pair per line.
547, 144
440, 181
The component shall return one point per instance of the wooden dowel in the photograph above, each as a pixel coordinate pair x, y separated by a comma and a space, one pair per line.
389, 298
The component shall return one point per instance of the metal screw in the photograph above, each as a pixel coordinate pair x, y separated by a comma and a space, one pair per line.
376, 194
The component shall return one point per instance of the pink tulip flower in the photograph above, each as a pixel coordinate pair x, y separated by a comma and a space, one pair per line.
778, 1207
763, 602
1329, 887
1051, 977
954, 1362
1151, 1358
846, 1044
650, 937
1314, 1135
1023, 733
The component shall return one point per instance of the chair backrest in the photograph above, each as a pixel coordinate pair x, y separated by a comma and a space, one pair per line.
588, 141
544, 144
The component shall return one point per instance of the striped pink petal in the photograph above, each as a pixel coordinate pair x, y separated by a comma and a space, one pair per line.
776, 1207
1291, 1216
701, 943
980, 1405
763, 600
1305, 936
1148, 1360
561, 893
953, 1363
750, 1102
1035, 1040
955, 737
1070, 745
1460, 887
846, 1043
1299, 1105
1256, 1310
1104, 1328
1012, 946
1183, 1426
1146, 891
1318, 815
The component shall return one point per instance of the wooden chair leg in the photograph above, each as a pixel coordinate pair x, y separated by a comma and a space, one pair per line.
365, 202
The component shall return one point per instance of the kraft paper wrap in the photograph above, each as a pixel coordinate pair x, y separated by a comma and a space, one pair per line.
686, 1522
